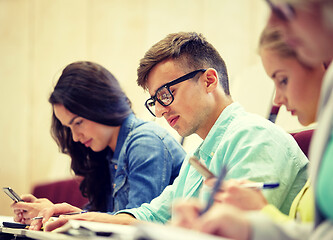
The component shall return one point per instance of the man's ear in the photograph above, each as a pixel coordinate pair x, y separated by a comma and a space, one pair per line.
211, 79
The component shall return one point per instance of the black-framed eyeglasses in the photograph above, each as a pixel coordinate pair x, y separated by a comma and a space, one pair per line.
285, 12
164, 95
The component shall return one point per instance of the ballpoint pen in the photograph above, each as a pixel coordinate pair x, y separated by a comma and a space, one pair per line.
215, 189
206, 173
71, 213
200, 167
260, 185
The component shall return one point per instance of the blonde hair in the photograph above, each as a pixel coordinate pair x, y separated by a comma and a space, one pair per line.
271, 38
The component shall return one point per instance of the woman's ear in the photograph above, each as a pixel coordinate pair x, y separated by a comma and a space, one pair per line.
211, 79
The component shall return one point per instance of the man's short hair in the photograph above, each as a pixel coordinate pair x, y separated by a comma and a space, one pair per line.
191, 50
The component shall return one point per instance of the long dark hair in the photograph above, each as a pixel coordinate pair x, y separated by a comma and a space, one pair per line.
90, 91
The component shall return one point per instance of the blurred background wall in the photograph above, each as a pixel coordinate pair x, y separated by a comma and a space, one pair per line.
38, 38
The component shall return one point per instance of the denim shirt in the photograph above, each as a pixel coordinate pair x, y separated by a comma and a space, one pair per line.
252, 148
146, 159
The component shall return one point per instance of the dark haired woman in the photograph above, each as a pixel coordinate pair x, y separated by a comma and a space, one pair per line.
124, 161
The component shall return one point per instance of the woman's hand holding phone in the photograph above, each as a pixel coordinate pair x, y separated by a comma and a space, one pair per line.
29, 208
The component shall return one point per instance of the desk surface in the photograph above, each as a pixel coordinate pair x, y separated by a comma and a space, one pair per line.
5, 219
40, 235
94, 231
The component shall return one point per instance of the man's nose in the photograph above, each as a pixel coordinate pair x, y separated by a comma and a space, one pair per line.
160, 110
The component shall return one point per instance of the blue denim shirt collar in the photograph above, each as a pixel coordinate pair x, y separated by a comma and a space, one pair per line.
126, 127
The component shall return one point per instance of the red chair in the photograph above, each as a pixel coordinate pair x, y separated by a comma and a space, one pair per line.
61, 191
303, 139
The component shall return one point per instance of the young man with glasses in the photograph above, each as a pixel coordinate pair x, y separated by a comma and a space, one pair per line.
188, 83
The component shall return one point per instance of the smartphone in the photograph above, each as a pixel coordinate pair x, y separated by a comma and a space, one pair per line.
202, 169
12, 194
14, 225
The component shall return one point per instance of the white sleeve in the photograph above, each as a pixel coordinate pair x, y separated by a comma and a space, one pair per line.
264, 228
324, 231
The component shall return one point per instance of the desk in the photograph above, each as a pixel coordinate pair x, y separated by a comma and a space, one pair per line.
40, 235
24, 233
89, 231
73, 230
15, 233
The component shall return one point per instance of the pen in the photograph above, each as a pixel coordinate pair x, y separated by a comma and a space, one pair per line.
261, 185
71, 213
201, 168
216, 188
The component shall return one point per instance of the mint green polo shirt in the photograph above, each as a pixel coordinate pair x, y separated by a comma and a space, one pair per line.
252, 147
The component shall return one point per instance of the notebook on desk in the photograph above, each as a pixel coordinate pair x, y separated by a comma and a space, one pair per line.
150, 231
142, 231
81, 228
